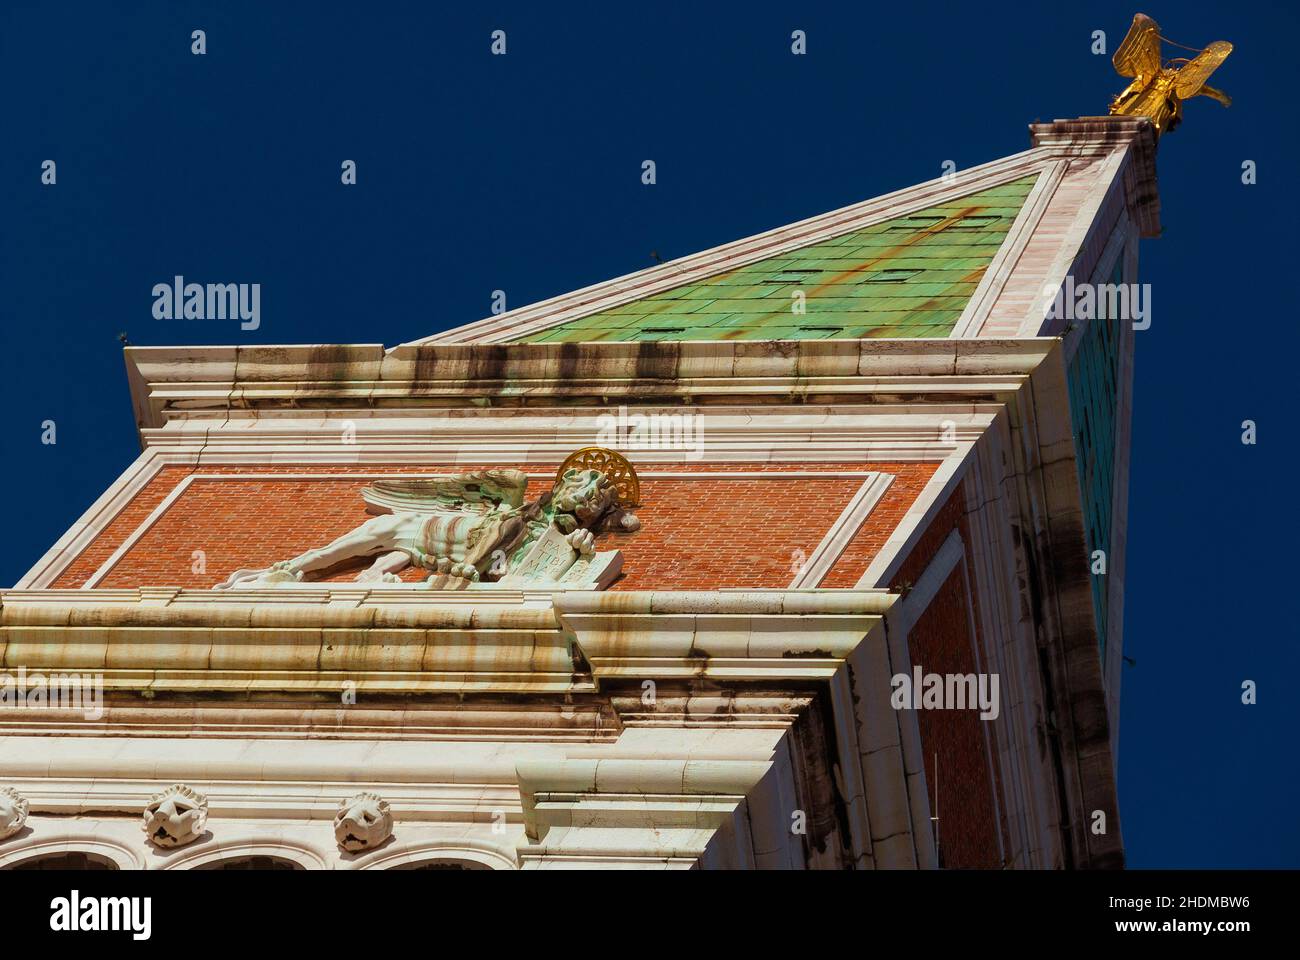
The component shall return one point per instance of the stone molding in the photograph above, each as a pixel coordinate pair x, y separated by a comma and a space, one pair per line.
1101, 136
589, 811
172, 382
387, 642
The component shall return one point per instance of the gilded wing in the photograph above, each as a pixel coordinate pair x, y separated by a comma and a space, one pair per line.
483, 488
1191, 78
1140, 51
1213, 94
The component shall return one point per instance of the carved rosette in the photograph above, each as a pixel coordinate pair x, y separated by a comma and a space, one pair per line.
13, 812
175, 817
362, 822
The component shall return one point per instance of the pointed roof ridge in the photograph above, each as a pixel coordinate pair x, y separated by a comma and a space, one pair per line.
1088, 169
911, 275
555, 311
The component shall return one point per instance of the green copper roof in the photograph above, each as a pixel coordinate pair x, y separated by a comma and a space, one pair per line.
906, 277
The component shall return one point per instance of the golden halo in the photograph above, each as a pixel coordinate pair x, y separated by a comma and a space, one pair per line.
611, 464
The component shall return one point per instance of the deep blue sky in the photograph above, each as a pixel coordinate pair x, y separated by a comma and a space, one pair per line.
522, 173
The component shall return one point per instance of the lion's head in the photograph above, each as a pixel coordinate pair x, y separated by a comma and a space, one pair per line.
176, 816
13, 811
363, 822
585, 498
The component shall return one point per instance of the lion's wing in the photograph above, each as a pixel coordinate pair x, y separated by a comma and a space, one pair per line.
434, 494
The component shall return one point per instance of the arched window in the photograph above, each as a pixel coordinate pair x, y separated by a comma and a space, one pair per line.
251, 863
71, 860
440, 855
442, 864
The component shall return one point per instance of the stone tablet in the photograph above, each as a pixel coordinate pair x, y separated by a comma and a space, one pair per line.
594, 572
548, 559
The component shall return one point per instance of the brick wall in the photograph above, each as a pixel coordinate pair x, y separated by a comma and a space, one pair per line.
696, 534
909, 480
954, 744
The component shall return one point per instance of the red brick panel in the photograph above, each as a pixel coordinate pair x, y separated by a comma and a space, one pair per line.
239, 523
909, 480
148, 498
121, 527
696, 534
941, 641
728, 533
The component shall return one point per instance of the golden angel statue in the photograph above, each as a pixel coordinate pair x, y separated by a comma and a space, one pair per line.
1159, 88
